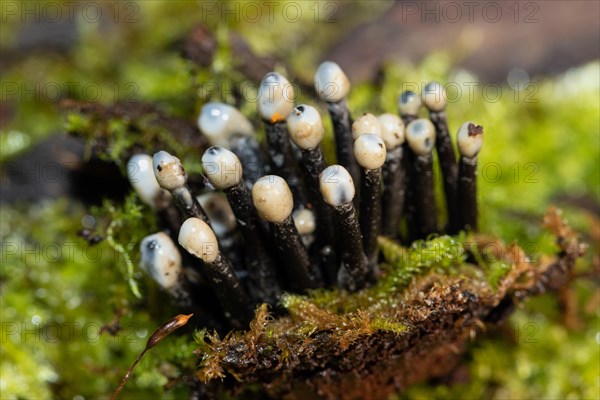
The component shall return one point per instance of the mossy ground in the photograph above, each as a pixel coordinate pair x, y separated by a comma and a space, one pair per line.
57, 291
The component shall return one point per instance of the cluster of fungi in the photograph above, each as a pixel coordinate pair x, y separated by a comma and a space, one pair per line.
280, 219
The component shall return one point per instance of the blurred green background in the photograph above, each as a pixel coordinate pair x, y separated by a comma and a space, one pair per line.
530, 75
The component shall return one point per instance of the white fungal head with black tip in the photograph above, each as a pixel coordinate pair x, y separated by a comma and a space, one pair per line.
420, 135
409, 103
304, 220
219, 212
392, 130
222, 167
434, 96
219, 122
366, 123
272, 198
140, 172
169, 171
331, 83
305, 127
336, 185
199, 239
470, 139
160, 258
275, 98
369, 151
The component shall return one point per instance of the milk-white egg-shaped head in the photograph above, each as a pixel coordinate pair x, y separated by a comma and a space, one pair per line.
409, 103
160, 258
272, 198
369, 151
220, 121
434, 96
169, 171
304, 220
199, 239
336, 185
305, 127
392, 130
331, 83
275, 98
366, 123
420, 135
222, 167
219, 212
140, 172
470, 139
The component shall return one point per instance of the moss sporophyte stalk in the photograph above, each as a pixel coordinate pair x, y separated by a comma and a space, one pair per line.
308, 277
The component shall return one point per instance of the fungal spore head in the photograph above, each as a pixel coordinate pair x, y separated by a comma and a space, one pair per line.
169, 171
199, 239
140, 172
420, 135
222, 167
409, 103
305, 222
272, 198
220, 121
369, 151
470, 139
275, 98
434, 96
160, 258
331, 83
392, 130
305, 127
366, 123
336, 185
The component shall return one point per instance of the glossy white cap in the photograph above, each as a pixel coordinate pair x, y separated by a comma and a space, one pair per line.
420, 135
220, 121
369, 151
366, 123
219, 212
140, 172
336, 185
305, 222
434, 96
470, 139
275, 98
161, 259
305, 127
272, 198
169, 171
199, 239
392, 130
222, 167
409, 103
331, 83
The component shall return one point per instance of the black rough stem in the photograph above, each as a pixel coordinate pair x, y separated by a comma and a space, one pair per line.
283, 160
394, 185
449, 166
261, 269
408, 163
467, 193
370, 215
424, 197
326, 238
248, 150
344, 143
354, 272
296, 267
188, 204
233, 297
